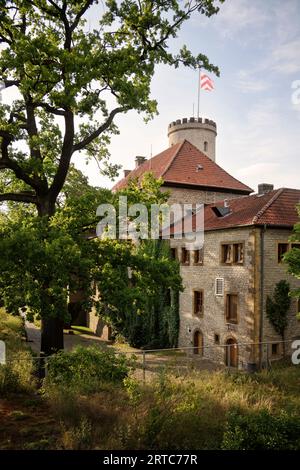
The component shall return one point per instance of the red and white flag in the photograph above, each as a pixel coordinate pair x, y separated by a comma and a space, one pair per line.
206, 83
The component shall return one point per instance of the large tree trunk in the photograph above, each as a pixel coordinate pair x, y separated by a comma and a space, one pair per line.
52, 336
52, 333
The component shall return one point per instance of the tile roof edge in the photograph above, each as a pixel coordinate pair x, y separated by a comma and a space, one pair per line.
173, 158
267, 205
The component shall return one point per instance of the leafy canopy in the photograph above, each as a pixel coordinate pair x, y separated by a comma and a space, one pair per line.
71, 82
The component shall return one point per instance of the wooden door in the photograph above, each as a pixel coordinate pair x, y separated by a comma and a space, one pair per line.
232, 353
198, 343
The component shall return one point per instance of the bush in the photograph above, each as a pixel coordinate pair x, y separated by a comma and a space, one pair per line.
85, 369
261, 431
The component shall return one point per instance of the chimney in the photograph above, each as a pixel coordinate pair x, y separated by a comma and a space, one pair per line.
126, 173
265, 188
139, 160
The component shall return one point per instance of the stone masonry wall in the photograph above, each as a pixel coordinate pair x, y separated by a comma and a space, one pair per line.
196, 196
275, 272
237, 279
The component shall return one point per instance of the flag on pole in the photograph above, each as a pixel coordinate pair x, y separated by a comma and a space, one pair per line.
206, 83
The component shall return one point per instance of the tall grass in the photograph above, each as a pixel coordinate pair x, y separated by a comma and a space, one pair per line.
17, 374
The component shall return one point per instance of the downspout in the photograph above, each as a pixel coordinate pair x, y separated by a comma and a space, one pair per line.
262, 299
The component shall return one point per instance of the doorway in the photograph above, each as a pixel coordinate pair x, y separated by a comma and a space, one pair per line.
198, 343
232, 353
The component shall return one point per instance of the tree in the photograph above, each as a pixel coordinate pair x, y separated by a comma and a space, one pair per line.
65, 78
277, 308
66, 246
292, 258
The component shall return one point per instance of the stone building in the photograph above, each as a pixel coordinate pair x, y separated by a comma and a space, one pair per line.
188, 167
222, 307
227, 282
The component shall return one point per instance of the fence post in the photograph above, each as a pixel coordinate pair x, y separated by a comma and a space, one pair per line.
144, 366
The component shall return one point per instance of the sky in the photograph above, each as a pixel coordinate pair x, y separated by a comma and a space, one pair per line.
256, 45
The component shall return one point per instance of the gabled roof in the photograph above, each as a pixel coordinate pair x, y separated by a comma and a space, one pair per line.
274, 209
185, 165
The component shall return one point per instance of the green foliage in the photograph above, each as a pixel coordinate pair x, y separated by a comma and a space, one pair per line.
277, 307
16, 374
84, 370
292, 257
142, 307
261, 431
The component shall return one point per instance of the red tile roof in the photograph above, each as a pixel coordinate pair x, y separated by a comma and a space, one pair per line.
184, 164
276, 208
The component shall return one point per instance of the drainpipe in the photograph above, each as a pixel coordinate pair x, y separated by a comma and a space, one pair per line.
262, 297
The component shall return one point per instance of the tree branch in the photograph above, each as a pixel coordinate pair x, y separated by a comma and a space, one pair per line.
51, 109
26, 197
81, 145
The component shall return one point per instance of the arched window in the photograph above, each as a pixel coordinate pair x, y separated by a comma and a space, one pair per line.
205, 146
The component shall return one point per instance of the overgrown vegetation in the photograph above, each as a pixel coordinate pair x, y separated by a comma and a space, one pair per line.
277, 308
17, 374
93, 399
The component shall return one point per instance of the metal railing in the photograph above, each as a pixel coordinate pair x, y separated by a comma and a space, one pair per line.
204, 357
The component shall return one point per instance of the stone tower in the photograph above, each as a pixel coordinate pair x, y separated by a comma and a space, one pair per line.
200, 132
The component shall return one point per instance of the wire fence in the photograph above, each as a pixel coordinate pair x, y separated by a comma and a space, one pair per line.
240, 356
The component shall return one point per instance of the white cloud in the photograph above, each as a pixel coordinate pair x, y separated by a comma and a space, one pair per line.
236, 16
247, 82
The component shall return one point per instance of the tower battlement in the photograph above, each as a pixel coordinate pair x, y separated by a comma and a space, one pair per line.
201, 132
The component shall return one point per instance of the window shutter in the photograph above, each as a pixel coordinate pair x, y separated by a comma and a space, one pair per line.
219, 286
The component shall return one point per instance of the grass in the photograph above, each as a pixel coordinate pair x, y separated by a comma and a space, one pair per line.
17, 374
198, 410
82, 330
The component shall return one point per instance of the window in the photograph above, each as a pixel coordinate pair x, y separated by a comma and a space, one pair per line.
198, 302
298, 305
238, 253
231, 308
226, 254
217, 338
275, 349
219, 286
232, 253
282, 249
173, 253
198, 256
185, 256
205, 146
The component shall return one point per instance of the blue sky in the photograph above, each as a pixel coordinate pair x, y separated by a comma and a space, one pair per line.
256, 45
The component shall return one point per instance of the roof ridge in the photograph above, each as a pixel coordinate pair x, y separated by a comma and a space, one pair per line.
209, 160
275, 196
173, 158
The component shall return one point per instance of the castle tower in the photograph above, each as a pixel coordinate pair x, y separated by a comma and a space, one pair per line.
200, 132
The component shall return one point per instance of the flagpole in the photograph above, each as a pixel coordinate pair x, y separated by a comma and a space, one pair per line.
199, 86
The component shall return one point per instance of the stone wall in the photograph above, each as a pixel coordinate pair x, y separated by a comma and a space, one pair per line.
275, 272
237, 279
244, 280
196, 196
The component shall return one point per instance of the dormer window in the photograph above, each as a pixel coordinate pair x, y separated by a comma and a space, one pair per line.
205, 146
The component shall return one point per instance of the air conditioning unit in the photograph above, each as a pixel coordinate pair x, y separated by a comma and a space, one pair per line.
219, 286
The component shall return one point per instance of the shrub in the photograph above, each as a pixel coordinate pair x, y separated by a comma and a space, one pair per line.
261, 431
85, 369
